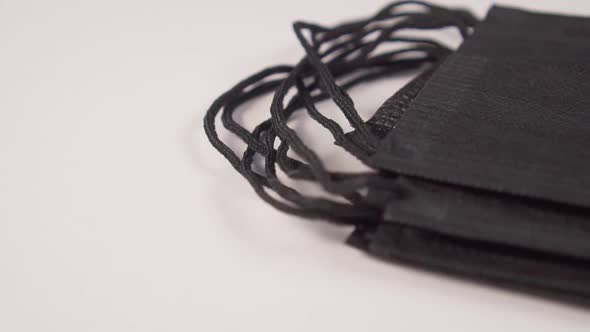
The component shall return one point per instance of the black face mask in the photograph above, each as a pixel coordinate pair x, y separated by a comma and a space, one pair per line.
481, 163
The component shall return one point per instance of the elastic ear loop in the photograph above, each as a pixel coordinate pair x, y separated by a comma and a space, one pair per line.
346, 212
350, 185
359, 211
343, 101
352, 27
289, 135
256, 180
325, 77
251, 142
353, 213
300, 170
336, 211
356, 180
332, 126
340, 97
232, 126
297, 170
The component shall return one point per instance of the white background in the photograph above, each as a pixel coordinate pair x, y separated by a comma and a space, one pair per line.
117, 215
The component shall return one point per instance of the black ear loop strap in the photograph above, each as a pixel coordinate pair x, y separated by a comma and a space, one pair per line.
350, 54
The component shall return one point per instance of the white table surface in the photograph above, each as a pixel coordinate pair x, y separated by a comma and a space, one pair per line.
117, 215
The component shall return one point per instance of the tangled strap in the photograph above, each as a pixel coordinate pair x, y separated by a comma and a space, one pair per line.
349, 53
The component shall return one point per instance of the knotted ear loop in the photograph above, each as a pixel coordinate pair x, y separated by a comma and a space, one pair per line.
314, 78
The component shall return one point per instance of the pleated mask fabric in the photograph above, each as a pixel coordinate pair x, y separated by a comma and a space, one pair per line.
512, 227
507, 112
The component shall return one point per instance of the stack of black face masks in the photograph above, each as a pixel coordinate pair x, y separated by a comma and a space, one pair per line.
482, 161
